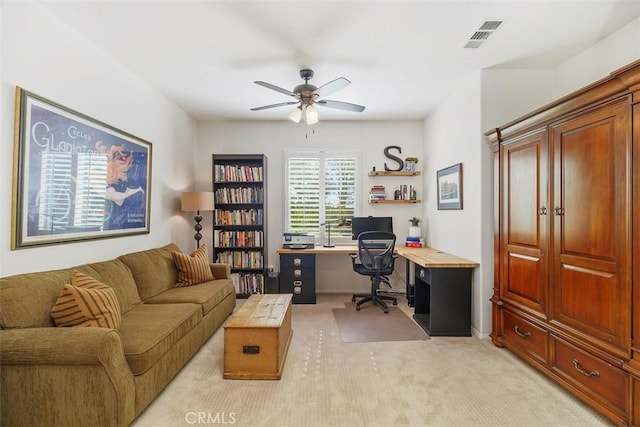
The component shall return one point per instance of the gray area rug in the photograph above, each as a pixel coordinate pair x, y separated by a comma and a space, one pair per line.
372, 324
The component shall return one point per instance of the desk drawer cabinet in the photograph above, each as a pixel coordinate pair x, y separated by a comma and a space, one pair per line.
298, 277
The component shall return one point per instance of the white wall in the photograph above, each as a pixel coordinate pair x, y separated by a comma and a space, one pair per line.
43, 55
452, 135
596, 62
273, 138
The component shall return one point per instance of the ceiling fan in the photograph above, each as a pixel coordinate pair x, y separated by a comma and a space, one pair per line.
308, 95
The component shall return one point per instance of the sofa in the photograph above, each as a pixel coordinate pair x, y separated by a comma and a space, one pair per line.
99, 376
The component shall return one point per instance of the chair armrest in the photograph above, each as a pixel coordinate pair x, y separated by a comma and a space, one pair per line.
353, 257
220, 270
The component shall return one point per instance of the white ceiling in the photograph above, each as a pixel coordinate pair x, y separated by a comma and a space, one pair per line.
402, 57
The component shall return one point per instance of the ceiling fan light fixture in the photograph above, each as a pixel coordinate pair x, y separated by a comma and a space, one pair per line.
296, 114
311, 115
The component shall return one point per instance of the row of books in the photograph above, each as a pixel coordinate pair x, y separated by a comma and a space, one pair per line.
239, 195
414, 242
237, 217
248, 283
241, 259
235, 173
377, 192
238, 238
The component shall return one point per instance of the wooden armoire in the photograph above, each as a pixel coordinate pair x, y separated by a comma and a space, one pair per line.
567, 242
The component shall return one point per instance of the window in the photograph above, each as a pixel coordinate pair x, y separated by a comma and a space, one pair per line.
321, 187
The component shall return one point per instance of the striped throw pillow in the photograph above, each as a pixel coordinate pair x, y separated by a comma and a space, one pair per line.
86, 302
194, 268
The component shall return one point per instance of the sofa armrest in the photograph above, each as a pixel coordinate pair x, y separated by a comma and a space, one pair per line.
220, 270
65, 376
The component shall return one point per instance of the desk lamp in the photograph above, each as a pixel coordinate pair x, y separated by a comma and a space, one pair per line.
197, 201
328, 245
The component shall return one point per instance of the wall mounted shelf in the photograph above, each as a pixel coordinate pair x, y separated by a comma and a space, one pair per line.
394, 173
395, 201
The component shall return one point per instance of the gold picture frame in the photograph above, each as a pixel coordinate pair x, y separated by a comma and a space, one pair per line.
75, 178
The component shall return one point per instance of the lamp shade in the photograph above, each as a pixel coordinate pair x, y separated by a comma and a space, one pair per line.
197, 201
311, 115
296, 114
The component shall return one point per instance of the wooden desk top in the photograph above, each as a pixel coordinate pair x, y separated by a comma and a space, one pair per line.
426, 257
433, 258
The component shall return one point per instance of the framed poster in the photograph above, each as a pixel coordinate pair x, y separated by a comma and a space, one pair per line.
75, 178
450, 187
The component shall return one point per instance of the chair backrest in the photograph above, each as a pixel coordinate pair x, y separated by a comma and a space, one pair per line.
375, 250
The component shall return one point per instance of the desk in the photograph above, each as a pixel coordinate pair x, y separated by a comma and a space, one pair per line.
441, 293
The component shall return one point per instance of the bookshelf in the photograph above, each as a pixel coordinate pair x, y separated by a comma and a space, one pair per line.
401, 194
239, 219
394, 173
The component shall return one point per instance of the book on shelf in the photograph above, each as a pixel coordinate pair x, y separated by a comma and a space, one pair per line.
237, 173
377, 192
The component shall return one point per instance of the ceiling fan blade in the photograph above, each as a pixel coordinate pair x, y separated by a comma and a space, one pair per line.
276, 88
280, 104
331, 87
339, 105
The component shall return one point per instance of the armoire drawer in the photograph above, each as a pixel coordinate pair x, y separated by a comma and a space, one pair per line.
525, 334
595, 377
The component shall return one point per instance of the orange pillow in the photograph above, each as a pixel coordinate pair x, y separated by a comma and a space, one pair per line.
194, 268
86, 302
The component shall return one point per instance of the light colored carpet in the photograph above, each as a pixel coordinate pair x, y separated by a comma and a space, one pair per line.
372, 324
444, 381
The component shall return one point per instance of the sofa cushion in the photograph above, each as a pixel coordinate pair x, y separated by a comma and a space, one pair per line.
194, 268
26, 299
86, 302
116, 274
43, 289
207, 294
149, 331
153, 270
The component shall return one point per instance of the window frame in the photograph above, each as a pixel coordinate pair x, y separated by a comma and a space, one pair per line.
322, 155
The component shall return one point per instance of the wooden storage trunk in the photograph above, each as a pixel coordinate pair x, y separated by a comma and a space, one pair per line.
256, 338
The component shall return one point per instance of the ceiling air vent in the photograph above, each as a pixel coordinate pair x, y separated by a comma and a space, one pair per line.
482, 33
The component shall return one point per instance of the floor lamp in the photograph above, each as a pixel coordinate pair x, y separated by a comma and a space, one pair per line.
197, 201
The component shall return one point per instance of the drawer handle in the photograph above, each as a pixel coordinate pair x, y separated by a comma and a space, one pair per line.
520, 334
584, 372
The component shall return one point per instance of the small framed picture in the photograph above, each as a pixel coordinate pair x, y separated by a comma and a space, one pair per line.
450, 188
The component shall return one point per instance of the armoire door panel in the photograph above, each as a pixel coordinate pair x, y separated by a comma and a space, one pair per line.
525, 200
522, 268
588, 190
591, 223
588, 300
523, 181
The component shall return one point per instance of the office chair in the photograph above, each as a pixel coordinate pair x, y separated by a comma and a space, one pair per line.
375, 252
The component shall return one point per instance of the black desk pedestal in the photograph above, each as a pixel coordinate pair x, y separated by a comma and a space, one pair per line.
298, 277
443, 300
